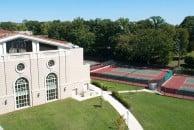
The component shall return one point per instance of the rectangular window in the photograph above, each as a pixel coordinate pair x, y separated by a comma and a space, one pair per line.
46, 47
19, 46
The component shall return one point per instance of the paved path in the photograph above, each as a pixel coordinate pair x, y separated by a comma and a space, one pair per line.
130, 120
141, 90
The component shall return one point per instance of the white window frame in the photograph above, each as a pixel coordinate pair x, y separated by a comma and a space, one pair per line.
52, 87
22, 93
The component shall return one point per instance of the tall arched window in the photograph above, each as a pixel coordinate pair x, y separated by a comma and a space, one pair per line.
51, 84
22, 93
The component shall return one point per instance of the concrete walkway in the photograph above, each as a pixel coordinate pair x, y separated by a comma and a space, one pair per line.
130, 120
141, 90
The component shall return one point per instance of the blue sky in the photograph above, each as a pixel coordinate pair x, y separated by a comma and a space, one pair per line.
173, 11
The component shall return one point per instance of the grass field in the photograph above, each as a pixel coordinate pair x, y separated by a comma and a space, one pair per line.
113, 86
157, 112
63, 115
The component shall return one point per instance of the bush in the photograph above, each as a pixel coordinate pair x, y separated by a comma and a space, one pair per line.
189, 61
120, 123
100, 85
118, 97
182, 70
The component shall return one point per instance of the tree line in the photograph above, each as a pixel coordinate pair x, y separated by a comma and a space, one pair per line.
151, 41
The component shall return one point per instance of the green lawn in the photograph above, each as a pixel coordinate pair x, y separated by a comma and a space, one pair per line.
63, 115
157, 112
113, 86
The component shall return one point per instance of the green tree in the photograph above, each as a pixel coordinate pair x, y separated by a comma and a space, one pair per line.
21, 27
123, 26
154, 47
157, 21
104, 31
83, 38
80, 34
58, 30
45, 27
188, 23
124, 50
33, 26
182, 40
8, 26
143, 24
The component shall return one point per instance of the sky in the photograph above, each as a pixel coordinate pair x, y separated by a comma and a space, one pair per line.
173, 11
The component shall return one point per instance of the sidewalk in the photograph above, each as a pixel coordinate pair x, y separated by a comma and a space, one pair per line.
141, 90
130, 120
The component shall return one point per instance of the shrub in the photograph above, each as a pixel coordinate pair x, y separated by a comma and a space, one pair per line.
187, 71
100, 85
189, 61
120, 123
122, 101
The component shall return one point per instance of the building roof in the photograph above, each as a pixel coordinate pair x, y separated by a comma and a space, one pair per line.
7, 34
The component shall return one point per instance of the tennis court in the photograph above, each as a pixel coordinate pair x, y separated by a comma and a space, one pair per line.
133, 74
179, 84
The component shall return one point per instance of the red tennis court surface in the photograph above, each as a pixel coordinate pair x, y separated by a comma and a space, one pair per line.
179, 84
134, 75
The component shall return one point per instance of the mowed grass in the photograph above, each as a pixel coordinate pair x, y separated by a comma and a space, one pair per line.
157, 112
113, 86
63, 115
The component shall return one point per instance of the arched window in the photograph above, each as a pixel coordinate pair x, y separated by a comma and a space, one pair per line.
22, 93
51, 84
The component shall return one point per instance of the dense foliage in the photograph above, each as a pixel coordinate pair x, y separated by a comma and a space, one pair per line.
189, 61
151, 41
100, 85
188, 23
120, 99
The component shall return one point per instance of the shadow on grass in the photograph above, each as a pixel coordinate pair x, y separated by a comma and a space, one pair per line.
97, 106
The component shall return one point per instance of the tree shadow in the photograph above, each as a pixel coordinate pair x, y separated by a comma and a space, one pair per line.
97, 106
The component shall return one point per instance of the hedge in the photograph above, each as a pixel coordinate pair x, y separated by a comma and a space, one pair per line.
114, 94
100, 85
183, 70
121, 100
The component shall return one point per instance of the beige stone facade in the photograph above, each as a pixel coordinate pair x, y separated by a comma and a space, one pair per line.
71, 74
